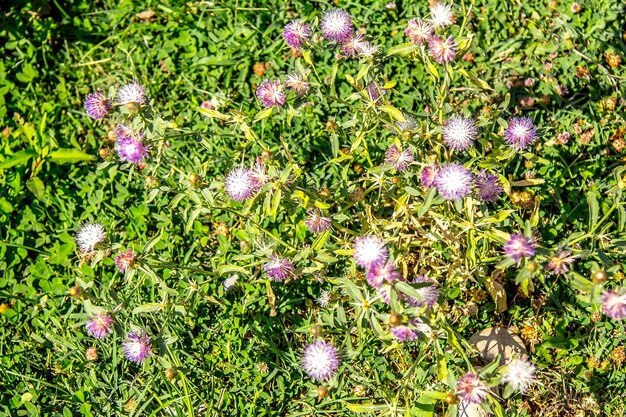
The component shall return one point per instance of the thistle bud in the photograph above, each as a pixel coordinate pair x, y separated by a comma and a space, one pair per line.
357, 195
322, 392
331, 126
152, 181
451, 399
395, 319
194, 180
171, 373
324, 193
76, 291
105, 153
91, 354
266, 154
599, 276
316, 331
532, 266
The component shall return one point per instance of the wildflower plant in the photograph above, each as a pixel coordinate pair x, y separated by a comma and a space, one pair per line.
337, 221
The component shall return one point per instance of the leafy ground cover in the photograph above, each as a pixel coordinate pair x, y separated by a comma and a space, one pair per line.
227, 332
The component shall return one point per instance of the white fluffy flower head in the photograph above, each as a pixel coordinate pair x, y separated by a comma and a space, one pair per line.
441, 15
89, 236
131, 93
520, 373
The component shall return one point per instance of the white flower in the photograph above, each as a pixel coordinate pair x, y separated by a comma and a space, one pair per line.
520, 373
324, 299
441, 15
89, 236
131, 93
230, 282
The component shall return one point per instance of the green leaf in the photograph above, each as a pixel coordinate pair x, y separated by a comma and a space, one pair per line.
71, 156
37, 187
393, 112
402, 49
366, 408
594, 209
18, 158
263, 114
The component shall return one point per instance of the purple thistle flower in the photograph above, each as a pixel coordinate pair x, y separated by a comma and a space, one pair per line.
125, 260
336, 25
317, 223
375, 92
520, 133
459, 133
369, 250
487, 186
441, 50
137, 347
430, 293
258, 175
400, 159
97, 106
378, 274
384, 292
428, 175
277, 268
418, 31
131, 150
297, 83
131, 93
239, 184
471, 389
296, 33
271, 93
123, 132
404, 333
453, 181
519, 246
614, 304
100, 325
354, 45
320, 360
560, 262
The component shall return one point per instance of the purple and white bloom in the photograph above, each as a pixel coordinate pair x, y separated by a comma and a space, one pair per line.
453, 181
520, 374
400, 159
487, 188
271, 93
459, 133
441, 15
353, 45
369, 250
419, 31
131, 150
404, 333
320, 360
374, 91
317, 223
519, 246
277, 268
471, 389
89, 236
125, 260
560, 262
100, 325
378, 274
239, 183
123, 132
520, 133
97, 106
336, 25
369, 51
131, 93
430, 293
137, 347
258, 175
614, 304
428, 175
442, 50
297, 83
296, 33
384, 292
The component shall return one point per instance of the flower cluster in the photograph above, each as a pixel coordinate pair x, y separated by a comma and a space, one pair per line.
441, 48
